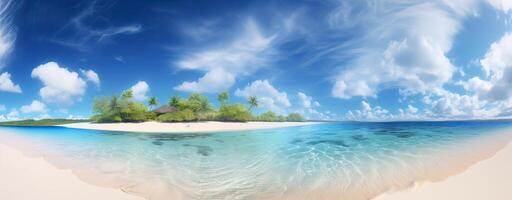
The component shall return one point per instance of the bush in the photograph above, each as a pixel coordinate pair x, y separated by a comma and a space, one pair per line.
134, 112
178, 116
235, 112
268, 116
210, 116
295, 117
150, 116
106, 118
114, 109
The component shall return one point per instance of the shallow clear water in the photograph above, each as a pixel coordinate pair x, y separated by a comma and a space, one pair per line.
326, 161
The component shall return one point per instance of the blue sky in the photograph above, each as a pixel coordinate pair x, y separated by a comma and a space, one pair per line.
344, 60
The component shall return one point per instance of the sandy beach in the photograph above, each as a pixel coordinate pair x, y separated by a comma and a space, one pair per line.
186, 127
488, 179
25, 178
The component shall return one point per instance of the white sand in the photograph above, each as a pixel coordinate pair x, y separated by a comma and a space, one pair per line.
488, 180
25, 178
188, 127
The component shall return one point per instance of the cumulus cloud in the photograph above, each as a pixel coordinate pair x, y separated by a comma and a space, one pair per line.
412, 109
139, 91
34, 107
91, 75
248, 52
309, 108
7, 31
61, 85
12, 115
369, 113
497, 65
504, 5
409, 53
7, 85
306, 101
268, 96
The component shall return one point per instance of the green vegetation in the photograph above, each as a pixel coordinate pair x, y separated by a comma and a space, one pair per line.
42, 122
223, 98
253, 102
268, 116
196, 107
152, 102
295, 117
124, 109
178, 116
234, 113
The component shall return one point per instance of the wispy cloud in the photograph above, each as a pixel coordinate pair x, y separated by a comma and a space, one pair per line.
404, 45
246, 53
7, 30
85, 33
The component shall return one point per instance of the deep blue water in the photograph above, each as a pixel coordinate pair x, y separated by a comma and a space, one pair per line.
324, 161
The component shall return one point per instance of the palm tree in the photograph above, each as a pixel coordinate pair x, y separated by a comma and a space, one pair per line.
152, 102
175, 101
253, 102
223, 98
115, 108
128, 94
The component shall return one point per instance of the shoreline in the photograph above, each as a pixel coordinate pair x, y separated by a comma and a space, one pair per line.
185, 127
26, 178
489, 178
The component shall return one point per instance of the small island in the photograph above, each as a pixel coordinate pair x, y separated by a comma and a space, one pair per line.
195, 108
179, 115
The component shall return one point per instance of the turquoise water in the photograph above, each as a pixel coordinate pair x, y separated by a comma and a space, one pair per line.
325, 161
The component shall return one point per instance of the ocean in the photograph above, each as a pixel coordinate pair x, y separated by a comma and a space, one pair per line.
339, 160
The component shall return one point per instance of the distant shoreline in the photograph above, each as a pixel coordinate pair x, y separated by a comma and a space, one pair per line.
185, 127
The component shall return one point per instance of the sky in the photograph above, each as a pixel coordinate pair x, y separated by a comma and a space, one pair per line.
376, 60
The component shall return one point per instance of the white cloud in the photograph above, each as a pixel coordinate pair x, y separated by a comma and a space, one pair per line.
7, 30
60, 85
87, 31
308, 108
305, 100
119, 58
497, 65
75, 117
412, 109
90, 75
498, 57
504, 5
248, 52
268, 96
13, 114
7, 85
449, 105
34, 107
377, 113
367, 113
139, 91
409, 52
476, 85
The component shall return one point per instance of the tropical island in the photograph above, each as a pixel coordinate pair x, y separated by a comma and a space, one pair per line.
182, 115
196, 107
193, 114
